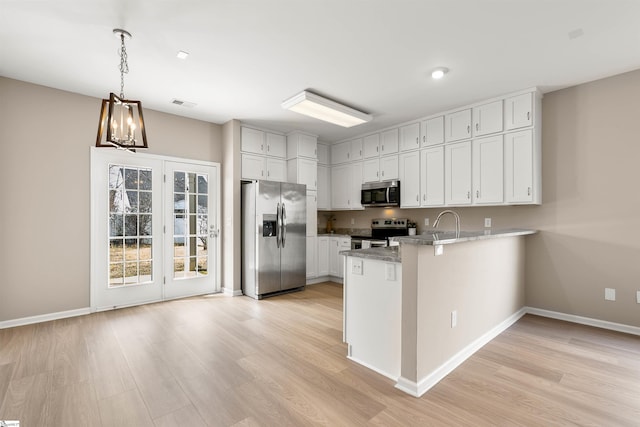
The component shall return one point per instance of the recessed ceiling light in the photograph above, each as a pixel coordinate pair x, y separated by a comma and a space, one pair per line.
439, 73
182, 54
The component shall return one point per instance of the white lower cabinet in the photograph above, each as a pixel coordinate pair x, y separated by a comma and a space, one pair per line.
409, 173
520, 163
336, 261
488, 170
323, 256
432, 176
312, 257
457, 177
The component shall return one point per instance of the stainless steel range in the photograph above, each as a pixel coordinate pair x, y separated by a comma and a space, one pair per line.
381, 230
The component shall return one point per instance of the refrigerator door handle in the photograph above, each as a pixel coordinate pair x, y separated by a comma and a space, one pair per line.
284, 224
278, 226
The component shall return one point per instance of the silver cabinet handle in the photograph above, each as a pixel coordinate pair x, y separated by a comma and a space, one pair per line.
468, 128
382, 147
424, 138
477, 126
382, 173
417, 198
528, 115
378, 174
417, 140
468, 194
268, 148
268, 173
477, 194
261, 147
376, 148
528, 191
424, 197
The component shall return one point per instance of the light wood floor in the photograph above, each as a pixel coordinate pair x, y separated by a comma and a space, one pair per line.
224, 361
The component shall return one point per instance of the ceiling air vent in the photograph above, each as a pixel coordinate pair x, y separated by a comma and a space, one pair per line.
183, 103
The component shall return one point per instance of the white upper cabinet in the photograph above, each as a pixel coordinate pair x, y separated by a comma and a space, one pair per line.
371, 170
409, 172
324, 188
432, 176
303, 171
518, 111
276, 169
389, 142
341, 153
487, 118
253, 166
356, 186
433, 131
323, 154
457, 125
388, 168
488, 170
252, 141
356, 149
371, 146
340, 186
276, 145
410, 137
457, 178
302, 145
521, 184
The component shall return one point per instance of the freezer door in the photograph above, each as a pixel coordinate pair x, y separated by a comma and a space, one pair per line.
268, 262
294, 247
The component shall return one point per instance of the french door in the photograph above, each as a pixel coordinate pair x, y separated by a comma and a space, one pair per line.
154, 228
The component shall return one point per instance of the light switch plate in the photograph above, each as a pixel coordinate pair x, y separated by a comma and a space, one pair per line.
609, 294
426, 222
390, 272
356, 267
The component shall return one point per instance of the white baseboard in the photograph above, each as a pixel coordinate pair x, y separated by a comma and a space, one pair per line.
324, 279
232, 292
628, 329
373, 368
44, 318
421, 387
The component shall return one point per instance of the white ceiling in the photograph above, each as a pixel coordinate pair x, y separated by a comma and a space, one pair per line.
247, 56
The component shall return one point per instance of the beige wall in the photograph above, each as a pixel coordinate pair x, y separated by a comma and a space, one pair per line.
45, 139
590, 216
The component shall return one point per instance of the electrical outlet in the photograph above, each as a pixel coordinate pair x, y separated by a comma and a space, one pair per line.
356, 266
390, 272
426, 222
454, 318
609, 294
487, 222
638, 297
353, 221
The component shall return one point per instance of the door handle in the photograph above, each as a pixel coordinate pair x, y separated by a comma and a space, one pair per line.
284, 224
278, 226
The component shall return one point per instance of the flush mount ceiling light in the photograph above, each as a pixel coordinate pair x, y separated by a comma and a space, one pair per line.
121, 123
439, 73
318, 107
182, 54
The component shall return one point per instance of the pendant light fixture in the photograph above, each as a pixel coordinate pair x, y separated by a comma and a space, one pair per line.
121, 122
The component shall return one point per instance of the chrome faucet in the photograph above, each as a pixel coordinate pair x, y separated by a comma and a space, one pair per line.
455, 215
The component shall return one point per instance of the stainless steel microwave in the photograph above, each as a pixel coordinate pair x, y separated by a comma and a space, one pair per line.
380, 194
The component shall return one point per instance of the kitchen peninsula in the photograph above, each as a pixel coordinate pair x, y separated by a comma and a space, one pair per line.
415, 312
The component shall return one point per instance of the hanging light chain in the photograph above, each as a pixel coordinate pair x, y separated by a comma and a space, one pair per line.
124, 66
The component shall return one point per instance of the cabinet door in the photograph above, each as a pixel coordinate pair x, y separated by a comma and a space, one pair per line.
276, 145
323, 256
324, 200
519, 167
410, 179
252, 167
344, 245
308, 146
432, 176
457, 125
312, 213
371, 146
356, 149
371, 170
335, 269
307, 173
518, 111
323, 154
389, 142
340, 185
252, 141
312, 257
340, 153
487, 118
433, 131
276, 169
410, 137
355, 195
388, 168
457, 182
488, 170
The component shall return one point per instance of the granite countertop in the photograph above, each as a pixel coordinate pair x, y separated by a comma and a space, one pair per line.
389, 254
435, 237
333, 235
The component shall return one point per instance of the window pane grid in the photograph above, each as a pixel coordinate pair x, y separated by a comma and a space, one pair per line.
190, 224
130, 218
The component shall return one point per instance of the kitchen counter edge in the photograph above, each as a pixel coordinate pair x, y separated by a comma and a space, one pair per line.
450, 237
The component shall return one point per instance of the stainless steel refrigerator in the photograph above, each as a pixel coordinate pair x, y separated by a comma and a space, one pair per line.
274, 216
